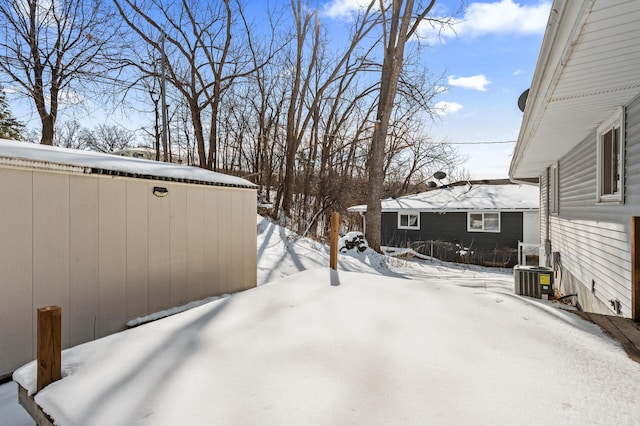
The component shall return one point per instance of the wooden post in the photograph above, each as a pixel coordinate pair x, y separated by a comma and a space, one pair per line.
335, 224
49, 345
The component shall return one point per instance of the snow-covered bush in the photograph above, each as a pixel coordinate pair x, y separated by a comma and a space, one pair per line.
351, 241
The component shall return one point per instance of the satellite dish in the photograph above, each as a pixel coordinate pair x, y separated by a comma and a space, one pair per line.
431, 184
522, 100
439, 175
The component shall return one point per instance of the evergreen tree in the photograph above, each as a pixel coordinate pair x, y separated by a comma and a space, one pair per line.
10, 128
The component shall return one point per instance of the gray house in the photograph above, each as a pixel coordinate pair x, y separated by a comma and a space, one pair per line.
110, 239
580, 136
473, 221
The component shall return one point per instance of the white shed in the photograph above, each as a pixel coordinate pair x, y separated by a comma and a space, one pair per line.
110, 239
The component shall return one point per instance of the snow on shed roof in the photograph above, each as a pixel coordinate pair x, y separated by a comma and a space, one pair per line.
54, 158
466, 196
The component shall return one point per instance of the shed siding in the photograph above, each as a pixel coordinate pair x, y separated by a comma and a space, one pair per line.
137, 249
178, 243
236, 240
159, 256
107, 251
225, 220
212, 265
112, 258
83, 259
16, 226
593, 239
195, 261
51, 245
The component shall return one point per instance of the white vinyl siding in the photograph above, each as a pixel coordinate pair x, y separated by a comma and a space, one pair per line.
610, 158
531, 227
408, 220
483, 222
594, 239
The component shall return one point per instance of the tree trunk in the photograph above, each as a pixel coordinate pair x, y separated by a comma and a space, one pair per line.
374, 193
395, 34
48, 125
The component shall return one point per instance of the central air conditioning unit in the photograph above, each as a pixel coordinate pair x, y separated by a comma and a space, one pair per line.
533, 281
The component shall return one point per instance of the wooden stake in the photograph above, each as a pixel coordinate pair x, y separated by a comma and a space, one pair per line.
49, 345
335, 224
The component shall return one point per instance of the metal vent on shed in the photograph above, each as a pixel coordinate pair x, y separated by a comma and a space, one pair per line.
533, 281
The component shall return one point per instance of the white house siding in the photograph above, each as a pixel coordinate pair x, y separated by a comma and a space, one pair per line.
594, 240
531, 227
107, 251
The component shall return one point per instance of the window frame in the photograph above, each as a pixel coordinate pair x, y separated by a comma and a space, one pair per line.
483, 213
613, 122
408, 214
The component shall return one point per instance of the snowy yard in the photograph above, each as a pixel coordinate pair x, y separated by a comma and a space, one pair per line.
409, 343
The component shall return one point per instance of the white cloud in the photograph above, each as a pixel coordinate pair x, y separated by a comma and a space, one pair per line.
476, 82
498, 17
518, 72
344, 8
444, 108
504, 17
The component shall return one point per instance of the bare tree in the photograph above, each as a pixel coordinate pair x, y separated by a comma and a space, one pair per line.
110, 138
47, 47
69, 135
302, 104
203, 48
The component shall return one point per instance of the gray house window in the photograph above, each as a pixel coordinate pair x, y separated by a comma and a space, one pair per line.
483, 222
408, 220
611, 158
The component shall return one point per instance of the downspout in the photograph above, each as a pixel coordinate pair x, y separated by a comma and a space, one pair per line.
547, 218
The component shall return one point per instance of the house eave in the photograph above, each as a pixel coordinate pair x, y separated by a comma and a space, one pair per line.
587, 67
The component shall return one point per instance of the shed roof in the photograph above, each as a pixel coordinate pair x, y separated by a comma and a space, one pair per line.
25, 154
587, 67
466, 196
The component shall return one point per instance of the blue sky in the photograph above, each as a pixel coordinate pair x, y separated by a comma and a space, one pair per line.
487, 61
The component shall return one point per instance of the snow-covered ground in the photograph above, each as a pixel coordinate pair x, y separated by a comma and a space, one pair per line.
407, 343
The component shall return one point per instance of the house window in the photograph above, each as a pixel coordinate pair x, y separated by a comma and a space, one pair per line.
410, 220
553, 187
483, 222
611, 159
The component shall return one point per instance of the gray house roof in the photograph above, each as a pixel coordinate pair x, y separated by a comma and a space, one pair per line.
54, 158
588, 65
466, 196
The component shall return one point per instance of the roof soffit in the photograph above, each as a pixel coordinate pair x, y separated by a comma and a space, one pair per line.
587, 67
